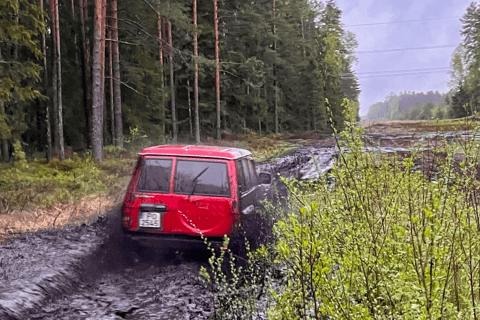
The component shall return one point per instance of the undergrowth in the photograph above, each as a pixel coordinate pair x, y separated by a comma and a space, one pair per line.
385, 241
376, 238
37, 184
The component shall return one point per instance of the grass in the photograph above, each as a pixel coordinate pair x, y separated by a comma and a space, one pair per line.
39, 195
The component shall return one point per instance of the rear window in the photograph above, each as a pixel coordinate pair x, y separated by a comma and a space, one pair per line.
202, 178
155, 175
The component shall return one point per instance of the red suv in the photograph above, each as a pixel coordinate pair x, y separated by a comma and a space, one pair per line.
181, 192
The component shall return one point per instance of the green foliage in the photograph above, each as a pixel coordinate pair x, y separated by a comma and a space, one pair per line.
235, 288
465, 75
21, 21
384, 241
113, 150
28, 185
19, 154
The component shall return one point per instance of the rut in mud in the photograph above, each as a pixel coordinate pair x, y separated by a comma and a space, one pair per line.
84, 272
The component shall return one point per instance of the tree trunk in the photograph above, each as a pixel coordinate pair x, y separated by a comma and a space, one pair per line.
59, 85
46, 104
97, 114
116, 76
172, 83
217, 67
86, 72
195, 55
189, 108
110, 76
103, 65
6, 154
275, 99
160, 59
57, 81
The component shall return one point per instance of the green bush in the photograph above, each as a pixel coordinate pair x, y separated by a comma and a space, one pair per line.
30, 184
236, 288
384, 242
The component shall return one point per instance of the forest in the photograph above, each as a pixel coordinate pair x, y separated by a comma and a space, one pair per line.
411, 106
465, 74
82, 75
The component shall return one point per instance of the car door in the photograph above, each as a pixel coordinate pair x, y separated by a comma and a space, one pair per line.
248, 186
202, 188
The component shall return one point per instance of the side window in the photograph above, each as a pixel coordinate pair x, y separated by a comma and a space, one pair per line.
249, 179
253, 172
241, 176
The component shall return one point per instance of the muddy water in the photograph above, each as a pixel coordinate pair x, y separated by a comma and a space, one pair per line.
85, 273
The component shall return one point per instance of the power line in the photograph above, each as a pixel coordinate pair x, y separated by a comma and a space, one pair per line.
408, 49
403, 21
395, 74
401, 71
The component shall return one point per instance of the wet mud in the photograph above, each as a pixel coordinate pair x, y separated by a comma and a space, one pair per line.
44, 264
86, 272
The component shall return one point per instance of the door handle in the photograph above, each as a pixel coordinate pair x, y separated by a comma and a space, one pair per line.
202, 205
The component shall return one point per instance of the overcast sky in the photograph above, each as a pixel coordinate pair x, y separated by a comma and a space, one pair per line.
440, 27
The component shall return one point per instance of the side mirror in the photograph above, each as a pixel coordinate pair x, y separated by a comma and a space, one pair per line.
264, 178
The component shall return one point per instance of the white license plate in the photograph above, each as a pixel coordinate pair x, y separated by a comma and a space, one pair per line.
149, 220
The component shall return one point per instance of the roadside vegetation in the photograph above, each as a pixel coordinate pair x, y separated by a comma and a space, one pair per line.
383, 241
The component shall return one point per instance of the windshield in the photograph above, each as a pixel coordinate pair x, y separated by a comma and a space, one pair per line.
155, 175
201, 178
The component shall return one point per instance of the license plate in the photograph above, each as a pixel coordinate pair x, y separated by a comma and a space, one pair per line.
149, 220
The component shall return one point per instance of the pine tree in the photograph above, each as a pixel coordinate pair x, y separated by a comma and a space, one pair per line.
21, 22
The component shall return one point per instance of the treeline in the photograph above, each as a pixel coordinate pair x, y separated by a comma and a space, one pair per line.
411, 106
465, 65
83, 74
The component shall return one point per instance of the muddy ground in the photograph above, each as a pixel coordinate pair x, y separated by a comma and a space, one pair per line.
84, 272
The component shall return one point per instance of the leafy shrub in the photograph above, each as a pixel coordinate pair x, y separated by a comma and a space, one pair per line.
236, 289
113, 150
38, 184
384, 242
